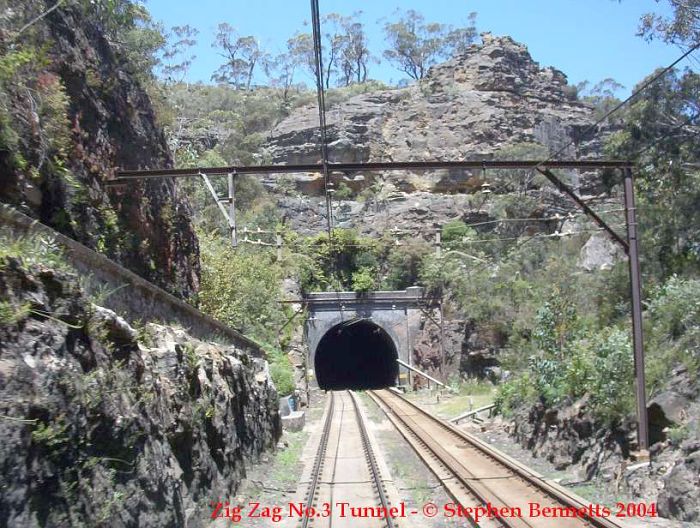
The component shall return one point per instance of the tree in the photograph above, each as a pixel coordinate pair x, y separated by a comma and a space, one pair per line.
176, 58
344, 47
300, 48
242, 54
601, 95
682, 28
355, 54
661, 134
459, 39
416, 45
280, 71
333, 45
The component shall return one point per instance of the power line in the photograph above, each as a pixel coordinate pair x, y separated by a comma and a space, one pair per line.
632, 96
667, 135
318, 57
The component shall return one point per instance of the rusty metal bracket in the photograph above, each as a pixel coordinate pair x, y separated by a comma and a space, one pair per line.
230, 215
586, 209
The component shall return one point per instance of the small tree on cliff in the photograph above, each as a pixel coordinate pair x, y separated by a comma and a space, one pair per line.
242, 53
415, 45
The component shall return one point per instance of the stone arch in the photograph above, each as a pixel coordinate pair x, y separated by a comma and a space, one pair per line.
356, 354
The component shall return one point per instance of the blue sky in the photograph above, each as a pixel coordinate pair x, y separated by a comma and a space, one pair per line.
586, 39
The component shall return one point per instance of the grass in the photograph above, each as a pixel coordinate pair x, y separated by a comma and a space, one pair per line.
470, 395
287, 463
31, 249
11, 315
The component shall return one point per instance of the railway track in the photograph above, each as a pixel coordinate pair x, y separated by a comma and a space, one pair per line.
345, 470
475, 474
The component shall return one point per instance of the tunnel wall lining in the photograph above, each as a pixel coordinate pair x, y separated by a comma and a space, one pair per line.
396, 312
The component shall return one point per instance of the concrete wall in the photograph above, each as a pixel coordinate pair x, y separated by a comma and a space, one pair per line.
131, 296
396, 312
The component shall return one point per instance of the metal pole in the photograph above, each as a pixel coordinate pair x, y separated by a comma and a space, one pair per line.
232, 209
438, 244
590, 212
442, 340
636, 295
408, 351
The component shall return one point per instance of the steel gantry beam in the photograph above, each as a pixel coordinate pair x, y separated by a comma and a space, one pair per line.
629, 244
126, 176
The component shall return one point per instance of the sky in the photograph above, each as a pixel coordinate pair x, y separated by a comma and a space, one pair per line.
586, 39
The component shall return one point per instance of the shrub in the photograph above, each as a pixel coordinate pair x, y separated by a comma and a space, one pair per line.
281, 372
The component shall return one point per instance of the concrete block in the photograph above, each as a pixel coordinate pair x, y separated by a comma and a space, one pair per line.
294, 421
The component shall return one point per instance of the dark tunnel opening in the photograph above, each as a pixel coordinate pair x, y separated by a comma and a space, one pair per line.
356, 355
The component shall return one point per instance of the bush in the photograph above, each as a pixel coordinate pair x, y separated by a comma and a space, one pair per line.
347, 262
280, 371
241, 288
455, 231
362, 280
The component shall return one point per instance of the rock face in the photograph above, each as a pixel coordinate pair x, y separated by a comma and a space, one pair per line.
110, 123
567, 435
105, 425
475, 106
599, 253
490, 97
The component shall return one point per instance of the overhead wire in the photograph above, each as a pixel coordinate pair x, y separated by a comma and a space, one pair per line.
631, 97
318, 59
668, 134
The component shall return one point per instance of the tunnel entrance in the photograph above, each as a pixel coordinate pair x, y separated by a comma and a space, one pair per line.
356, 355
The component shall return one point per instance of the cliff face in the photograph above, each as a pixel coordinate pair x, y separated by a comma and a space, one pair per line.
78, 88
493, 101
105, 425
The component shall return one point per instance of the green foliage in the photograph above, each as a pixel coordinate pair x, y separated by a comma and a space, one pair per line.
280, 371
241, 288
52, 436
30, 250
242, 53
673, 330
130, 29
347, 262
515, 393
455, 231
599, 366
602, 96
612, 392
363, 280
677, 434
675, 308
403, 263
555, 325
415, 45
682, 28
10, 315
661, 135
343, 192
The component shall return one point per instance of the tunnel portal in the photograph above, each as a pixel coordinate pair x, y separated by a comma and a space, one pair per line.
356, 355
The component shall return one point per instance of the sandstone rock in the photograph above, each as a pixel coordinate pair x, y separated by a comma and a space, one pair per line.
472, 106
667, 408
599, 253
680, 497
118, 330
145, 226
99, 425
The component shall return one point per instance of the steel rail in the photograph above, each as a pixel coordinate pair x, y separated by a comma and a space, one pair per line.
124, 176
318, 462
372, 462
532, 479
321, 454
